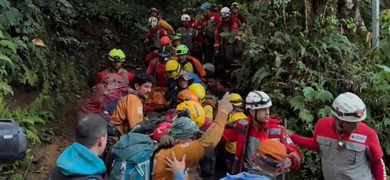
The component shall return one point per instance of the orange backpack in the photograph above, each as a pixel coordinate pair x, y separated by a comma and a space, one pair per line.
198, 67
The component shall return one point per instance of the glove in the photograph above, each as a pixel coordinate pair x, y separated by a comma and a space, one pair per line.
224, 104
167, 141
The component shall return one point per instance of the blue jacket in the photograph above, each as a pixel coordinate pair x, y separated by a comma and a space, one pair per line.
78, 160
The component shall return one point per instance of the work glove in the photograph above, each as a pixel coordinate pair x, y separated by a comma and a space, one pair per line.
167, 141
224, 104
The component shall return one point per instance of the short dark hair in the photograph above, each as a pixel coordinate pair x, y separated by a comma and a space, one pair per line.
142, 78
90, 127
210, 74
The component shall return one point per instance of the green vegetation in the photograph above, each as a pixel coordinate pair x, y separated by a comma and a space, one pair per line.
295, 50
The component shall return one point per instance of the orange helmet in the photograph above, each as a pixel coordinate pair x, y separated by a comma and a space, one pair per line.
186, 95
165, 41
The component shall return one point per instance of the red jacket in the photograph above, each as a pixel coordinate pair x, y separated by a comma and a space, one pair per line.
197, 25
364, 140
213, 16
241, 18
101, 75
158, 71
150, 56
245, 143
156, 31
231, 25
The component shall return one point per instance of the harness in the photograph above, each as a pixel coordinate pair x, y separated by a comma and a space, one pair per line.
124, 73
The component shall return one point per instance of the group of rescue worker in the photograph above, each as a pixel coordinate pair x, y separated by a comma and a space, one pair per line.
202, 39
210, 130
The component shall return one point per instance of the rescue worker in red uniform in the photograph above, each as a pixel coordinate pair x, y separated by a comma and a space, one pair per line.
153, 12
116, 57
195, 24
164, 41
187, 33
210, 22
249, 133
156, 67
223, 48
235, 8
155, 33
349, 148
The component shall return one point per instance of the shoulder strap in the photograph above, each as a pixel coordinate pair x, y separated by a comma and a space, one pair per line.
126, 75
152, 161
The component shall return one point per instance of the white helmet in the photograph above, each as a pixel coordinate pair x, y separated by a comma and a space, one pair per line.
225, 12
210, 67
153, 22
349, 107
185, 18
257, 100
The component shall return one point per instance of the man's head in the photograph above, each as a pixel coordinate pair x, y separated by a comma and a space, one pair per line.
206, 9
91, 131
143, 84
184, 80
153, 12
185, 20
258, 104
270, 157
235, 8
349, 110
116, 57
225, 14
181, 52
183, 128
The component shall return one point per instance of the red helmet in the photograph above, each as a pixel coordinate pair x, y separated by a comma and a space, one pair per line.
153, 9
162, 129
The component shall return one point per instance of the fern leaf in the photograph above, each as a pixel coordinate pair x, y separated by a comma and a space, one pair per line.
32, 136
7, 89
5, 58
10, 45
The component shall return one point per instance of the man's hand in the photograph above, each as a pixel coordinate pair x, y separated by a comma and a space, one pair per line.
146, 40
287, 163
167, 141
224, 104
174, 165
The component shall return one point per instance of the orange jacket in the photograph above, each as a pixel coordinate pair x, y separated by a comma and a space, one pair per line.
128, 113
195, 150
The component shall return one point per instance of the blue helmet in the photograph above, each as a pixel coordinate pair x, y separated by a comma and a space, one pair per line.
205, 6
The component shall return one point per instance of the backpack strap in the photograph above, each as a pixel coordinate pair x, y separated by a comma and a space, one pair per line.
158, 149
125, 75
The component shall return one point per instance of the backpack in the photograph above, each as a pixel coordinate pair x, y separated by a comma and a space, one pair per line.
198, 67
133, 157
113, 87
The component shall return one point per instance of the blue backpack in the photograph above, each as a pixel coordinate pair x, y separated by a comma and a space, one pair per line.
133, 155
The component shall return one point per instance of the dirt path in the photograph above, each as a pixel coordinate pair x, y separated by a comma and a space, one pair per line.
45, 155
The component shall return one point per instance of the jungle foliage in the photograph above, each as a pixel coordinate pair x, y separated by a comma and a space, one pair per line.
304, 60
296, 50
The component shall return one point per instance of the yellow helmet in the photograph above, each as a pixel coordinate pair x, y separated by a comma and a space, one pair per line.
172, 68
199, 90
236, 99
195, 111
